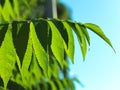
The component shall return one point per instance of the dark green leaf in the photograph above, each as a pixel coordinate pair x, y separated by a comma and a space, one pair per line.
2, 88
20, 32
3, 30
8, 11
43, 33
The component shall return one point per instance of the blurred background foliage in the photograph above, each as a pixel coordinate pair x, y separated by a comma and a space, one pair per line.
36, 9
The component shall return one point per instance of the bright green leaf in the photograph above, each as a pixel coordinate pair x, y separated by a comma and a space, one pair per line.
8, 11
57, 45
40, 53
85, 32
59, 25
16, 7
27, 56
96, 29
53, 69
52, 84
59, 84
81, 39
7, 58
70, 49
3, 30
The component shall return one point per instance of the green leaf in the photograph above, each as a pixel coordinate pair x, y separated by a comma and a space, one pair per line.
20, 33
59, 24
2, 88
67, 36
43, 33
70, 49
0, 9
57, 45
53, 69
78, 81
59, 84
7, 58
0, 13
16, 7
3, 30
40, 53
81, 39
71, 84
65, 84
85, 32
8, 11
96, 29
52, 84
35, 68
27, 56
26, 3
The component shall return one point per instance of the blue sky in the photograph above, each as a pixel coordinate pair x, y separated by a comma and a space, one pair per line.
101, 70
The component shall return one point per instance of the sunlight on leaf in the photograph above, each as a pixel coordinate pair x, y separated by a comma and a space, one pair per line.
81, 40
27, 56
7, 58
40, 53
8, 11
96, 29
16, 7
70, 49
85, 32
57, 45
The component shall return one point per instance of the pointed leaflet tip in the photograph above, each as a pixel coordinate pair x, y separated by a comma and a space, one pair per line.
96, 29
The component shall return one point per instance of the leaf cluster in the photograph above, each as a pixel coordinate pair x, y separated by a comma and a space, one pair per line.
34, 49
33, 52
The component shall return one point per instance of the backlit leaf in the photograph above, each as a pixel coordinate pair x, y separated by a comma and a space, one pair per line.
16, 7
8, 11
57, 45
85, 32
40, 53
7, 58
96, 29
81, 39
27, 56
70, 49
53, 87
62, 30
